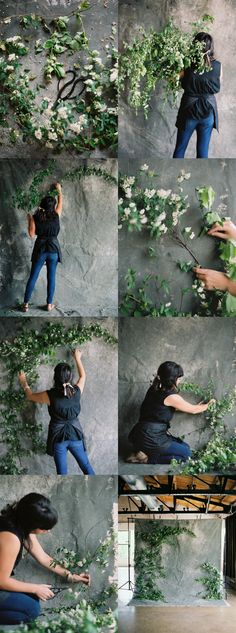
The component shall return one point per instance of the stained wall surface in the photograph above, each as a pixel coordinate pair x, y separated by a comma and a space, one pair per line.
98, 405
182, 558
86, 281
156, 135
134, 247
204, 347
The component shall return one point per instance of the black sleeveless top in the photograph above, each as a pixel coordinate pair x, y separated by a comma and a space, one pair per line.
153, 408
47, 232
6, 526
64, 423
154, 421
199, 99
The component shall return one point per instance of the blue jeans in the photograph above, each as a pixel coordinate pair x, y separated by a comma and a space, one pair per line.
16, 607
51, 260
203, 128
76, 448
176, 450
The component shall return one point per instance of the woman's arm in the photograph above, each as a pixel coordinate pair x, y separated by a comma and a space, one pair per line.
41, 397
226, 231
180, 404
46, 561
215, 280
82, 375
9, 550
31, 225
59, 202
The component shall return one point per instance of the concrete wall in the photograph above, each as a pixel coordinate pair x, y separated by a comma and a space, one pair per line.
80, 526
99, 402
86, 281
133, 247
97, 22
205, 349
156, 135
182, 558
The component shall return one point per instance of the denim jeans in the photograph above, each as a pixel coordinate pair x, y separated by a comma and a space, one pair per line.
51, 260
16, 607
203, 128
176, 450
76, 448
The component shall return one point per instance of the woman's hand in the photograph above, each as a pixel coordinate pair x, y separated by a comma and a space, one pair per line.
84, 578
22, 378
76, 353
212, 279
58, 187
212, 401
226, 232
43, 592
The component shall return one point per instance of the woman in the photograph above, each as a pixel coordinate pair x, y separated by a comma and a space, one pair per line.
45, 224
150, 437
19, 525
198, 107
65, 432
214, 279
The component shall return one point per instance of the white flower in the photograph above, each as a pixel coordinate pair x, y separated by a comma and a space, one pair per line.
132, 205
128, 193
75, 127
192, 236
149, 193
11, 57
142, 212
98, 92
38, 134
52, 136
162, 216
163, 228
114, 74
13, 39
144, 167
49, 145
89, 82
127, 211
130, 180
10, 69
167, 305
144, 220
162, 193
120, 201
7, 21
62, 113
188, 229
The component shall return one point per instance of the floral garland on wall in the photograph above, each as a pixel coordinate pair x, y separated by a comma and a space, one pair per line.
26, 351
212, 581
83, 123
160, 212
159, 57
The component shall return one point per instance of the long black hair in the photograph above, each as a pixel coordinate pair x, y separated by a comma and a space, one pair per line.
32, 512
207, 46
47, 208
167, 375
63, 380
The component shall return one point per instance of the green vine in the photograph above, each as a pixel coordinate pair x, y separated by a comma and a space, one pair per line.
84, 123
29, 198
154, 57
219, 453
26, 351
212, 582
148, 558
159, 213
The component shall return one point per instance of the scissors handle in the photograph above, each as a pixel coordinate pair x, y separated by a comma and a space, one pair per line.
73, 83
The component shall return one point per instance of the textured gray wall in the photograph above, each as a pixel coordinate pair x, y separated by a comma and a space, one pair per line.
97, 23
205, 349
181, 561
80, 526
156, 135
86, 282
99, 401
133, 247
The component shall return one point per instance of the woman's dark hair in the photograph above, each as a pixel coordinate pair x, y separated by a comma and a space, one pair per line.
63, 379
207, 46
167, 375
34, 511
47, 208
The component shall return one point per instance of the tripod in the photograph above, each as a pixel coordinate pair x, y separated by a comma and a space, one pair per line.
129, 583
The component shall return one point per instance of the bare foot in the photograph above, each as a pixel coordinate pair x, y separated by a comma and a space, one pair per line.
50, 307
138, 458
25, 307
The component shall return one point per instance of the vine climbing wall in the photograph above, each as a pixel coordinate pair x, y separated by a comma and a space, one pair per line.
181, 558
86, 279
156, 136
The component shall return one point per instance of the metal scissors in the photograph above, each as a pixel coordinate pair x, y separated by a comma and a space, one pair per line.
74, 81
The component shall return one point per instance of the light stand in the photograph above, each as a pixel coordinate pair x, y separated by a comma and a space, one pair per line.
129, 583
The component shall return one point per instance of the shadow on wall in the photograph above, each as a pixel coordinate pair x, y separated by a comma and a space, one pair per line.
98, 415
135, 247
86, 280
156, 135
80, 526
205, 350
